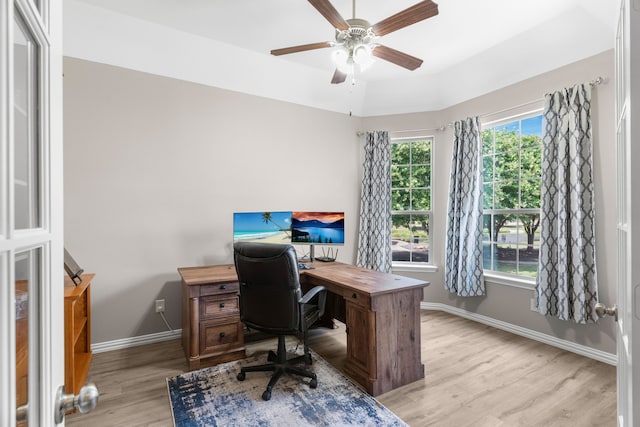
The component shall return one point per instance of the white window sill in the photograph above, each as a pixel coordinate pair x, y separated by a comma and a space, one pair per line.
514, 282
408, 267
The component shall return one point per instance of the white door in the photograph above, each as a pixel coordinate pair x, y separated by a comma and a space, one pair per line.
31, 243
628, 154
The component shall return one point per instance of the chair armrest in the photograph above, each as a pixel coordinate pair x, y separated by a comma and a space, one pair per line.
321, 292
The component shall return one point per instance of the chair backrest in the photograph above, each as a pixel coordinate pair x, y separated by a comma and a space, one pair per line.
269, 286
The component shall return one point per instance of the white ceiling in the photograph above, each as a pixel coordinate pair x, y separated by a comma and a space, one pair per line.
471, 47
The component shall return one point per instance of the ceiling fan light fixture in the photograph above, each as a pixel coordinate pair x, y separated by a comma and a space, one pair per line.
355, 39
343, 60
362, 56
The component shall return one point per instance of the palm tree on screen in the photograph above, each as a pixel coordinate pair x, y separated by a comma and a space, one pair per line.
268, 218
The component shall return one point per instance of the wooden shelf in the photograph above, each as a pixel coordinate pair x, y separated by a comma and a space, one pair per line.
79, 328
77, 332
83, 363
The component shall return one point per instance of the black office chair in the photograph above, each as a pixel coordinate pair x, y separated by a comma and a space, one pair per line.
271, 301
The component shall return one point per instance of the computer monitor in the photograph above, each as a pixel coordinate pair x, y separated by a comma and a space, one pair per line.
318, 228
266, 227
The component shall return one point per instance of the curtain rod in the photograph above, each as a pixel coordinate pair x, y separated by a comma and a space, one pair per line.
595, 82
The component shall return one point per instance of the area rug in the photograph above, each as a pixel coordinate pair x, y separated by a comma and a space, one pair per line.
214, 397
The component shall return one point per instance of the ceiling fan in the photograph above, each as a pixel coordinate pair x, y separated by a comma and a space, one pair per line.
356, 38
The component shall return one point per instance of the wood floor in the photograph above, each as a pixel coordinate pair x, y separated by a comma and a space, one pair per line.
475, 375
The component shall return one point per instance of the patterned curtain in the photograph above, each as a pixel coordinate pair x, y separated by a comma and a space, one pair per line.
463, 246
567, 286
374, 242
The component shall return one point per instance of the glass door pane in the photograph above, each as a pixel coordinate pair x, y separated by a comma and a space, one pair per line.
27, 148
27, 273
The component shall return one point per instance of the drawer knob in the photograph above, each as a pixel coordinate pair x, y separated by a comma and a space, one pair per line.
221, 334
354, 295
221, 305
223, 286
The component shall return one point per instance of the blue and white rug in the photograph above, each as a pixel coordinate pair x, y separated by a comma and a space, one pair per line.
214, 397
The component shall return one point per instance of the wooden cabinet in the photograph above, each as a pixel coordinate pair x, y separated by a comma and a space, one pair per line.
212, 332
77, 332
361, 345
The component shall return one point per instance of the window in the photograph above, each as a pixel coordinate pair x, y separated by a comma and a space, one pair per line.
511, 155
411, 199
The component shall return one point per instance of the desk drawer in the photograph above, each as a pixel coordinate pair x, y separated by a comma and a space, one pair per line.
355, 297
218, 337
212, 307
219, 288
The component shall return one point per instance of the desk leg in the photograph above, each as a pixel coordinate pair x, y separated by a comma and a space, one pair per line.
194, 334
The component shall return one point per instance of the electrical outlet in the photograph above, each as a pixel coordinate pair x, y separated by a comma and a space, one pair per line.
533, 305
159, 306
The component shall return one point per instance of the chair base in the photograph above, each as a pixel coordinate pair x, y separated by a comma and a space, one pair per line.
280, 365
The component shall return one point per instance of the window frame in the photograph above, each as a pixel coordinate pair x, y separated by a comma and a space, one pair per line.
494, 276
417, 265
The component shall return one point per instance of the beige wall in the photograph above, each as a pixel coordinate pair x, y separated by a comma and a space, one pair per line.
510, 304
155, 167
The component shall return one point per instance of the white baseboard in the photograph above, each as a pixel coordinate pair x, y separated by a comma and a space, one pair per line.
135, 341
582, 350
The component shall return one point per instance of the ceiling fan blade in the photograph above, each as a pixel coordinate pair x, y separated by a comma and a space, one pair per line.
399, 58
338, 77
416, 13
301, 48
330, 13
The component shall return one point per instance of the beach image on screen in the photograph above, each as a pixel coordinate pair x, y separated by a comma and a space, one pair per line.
266, 227
321, 228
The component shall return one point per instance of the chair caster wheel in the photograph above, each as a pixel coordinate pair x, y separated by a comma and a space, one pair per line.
266, 395
313, 383
241, 376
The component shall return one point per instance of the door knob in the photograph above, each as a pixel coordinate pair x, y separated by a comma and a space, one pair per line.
21, 413
602, 310
84, 401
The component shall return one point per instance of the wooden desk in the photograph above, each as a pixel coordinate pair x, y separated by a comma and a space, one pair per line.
381, 313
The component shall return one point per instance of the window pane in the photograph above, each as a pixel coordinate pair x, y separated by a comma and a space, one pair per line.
487, 196
507, 165
507, 139
486, 227
419, 176
488, 252
506, 196
400, 200
487, 168
530, 193
531, 162
400, 176
487, 142
410, 238
400, 153
400, 238
27, 273
531, 232
411, 192
506, 261
512, 183
532, 126
421, 153
421, 199
26, 146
